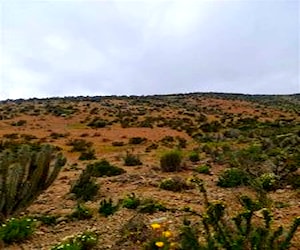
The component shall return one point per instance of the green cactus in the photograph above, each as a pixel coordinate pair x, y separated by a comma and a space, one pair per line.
241, 232
25, 173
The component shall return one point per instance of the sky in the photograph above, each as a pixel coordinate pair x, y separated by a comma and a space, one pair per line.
104, 47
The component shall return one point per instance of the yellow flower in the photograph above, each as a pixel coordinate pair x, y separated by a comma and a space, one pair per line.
159, 244
167, 234
155, 226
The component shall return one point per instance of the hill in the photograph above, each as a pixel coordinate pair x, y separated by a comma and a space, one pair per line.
211, 132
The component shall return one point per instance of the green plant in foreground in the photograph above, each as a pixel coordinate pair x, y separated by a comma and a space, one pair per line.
107, 208
17, 229
239, 232
85, 241
25, 173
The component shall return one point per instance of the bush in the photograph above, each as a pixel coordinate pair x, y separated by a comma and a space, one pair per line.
132, 160
85, 241
203, 169
97, 123
171, 161
103, 168
150, 206
194, 157
81, 213
131, 201
48, 220
175, 184
233, 177
87, 155
267, 181
117, 143
136, 140
294, 180
107, 208
17, 230
85, 187
79, 145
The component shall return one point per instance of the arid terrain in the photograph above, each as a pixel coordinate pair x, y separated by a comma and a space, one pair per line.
258, 134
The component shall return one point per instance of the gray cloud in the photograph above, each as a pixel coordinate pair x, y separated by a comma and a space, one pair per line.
61, 48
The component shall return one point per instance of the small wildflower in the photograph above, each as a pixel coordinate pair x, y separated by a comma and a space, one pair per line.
159, 244
167, 234
155, 226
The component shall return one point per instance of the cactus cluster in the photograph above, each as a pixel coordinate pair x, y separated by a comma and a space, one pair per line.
25, 172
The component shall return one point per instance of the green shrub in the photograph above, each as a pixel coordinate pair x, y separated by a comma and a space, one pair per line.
233, 177
151, 206
85, 187
97, 123
171, 161
81, 213
48, 220
103, 168
194, 157
268, 181
79, 145
117, 143
17, 230
175, 184
87, 155
294, 180
85, 241
136, 140
203, 169
132, 160
131, 201
107, 208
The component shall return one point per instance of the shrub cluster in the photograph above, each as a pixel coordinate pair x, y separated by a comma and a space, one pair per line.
171, 161
17, 229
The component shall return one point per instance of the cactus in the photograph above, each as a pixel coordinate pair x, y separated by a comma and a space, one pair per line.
239, 232
25, 173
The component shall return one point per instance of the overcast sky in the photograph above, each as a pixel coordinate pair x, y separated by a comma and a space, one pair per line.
79, 47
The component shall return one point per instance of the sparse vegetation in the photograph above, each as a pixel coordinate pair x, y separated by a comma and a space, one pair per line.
247, 143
